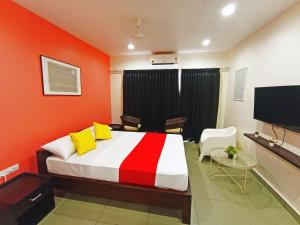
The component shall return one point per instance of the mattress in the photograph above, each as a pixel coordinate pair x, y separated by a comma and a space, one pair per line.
104, 162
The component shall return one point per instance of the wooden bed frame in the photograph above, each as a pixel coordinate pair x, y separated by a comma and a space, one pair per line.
124, 192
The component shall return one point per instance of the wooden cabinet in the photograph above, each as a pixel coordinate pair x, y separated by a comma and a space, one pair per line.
6, 215
28, 197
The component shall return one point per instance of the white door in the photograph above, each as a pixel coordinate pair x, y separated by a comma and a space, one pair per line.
116, 93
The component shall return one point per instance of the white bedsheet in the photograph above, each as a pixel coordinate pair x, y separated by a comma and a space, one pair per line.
103, 163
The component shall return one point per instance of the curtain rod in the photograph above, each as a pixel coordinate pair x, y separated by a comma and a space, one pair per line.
222, 69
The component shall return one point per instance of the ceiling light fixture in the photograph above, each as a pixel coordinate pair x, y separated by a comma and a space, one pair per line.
206, 42
130, 46
228, 10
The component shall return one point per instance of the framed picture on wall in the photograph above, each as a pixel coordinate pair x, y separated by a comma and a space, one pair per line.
240, 84
60, 78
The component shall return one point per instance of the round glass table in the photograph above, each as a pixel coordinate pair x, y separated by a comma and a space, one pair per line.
241, 161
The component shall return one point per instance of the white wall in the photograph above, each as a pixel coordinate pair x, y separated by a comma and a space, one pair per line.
116, 94
186, 60
272, 56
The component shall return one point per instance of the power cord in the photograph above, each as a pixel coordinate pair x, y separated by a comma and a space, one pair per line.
283, 138
276, 136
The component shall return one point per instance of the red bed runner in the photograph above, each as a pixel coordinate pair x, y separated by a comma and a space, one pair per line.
139, 167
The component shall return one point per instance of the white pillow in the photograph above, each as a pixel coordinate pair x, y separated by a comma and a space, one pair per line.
62, 147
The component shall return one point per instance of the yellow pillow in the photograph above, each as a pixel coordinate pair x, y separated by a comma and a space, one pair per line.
102, 131
83, 141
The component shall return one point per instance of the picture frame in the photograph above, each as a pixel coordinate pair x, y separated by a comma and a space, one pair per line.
60, 78
240, 84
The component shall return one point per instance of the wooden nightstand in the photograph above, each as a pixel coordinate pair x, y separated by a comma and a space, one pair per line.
6, 215
29, 197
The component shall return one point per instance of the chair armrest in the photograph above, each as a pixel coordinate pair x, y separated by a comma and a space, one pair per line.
218, 142
175, 123
130, 121
214, 132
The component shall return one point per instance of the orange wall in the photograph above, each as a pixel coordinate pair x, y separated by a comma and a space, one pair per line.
29, 119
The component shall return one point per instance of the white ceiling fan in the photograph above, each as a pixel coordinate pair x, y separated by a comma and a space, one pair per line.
138, 34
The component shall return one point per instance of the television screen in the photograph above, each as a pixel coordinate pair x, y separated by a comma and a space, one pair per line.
278, 105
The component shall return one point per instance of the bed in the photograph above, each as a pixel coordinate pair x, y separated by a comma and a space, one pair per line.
98, 172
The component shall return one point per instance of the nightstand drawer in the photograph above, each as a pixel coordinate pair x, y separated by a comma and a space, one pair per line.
29, 197
30, 201
38, 211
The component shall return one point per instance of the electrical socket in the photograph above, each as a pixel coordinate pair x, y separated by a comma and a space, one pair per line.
9, 170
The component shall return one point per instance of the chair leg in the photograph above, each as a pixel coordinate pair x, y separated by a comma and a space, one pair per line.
201, 157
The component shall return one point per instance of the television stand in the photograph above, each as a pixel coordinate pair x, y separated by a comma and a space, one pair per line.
278, 150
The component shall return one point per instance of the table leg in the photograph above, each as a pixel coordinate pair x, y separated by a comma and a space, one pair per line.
232, 176
245, 180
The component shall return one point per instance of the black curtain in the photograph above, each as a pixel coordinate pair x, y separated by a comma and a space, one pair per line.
199, 100
152, 95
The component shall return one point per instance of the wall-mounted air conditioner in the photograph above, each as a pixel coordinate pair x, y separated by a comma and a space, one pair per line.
164, 59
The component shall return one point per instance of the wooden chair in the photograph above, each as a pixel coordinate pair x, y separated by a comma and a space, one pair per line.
175, 125
130, 123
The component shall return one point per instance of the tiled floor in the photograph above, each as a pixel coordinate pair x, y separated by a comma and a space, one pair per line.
215, 202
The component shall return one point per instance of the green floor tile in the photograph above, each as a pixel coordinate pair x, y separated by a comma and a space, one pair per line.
220, 213
128, 205
255, 194
165, 211
155, 219
87, 198
194, 216
80, 209
205, 212
193, 167
67, 220
122, 216
203, 187
103, 223
59, 200
193, 153
46, 219
258, 215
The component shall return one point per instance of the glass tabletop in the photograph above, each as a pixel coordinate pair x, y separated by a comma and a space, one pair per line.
242, 160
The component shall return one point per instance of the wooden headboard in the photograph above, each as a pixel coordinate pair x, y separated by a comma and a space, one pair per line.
41, 156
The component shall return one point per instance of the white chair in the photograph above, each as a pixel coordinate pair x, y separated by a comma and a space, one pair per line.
216, 138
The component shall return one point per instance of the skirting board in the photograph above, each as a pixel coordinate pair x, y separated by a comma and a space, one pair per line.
287, 205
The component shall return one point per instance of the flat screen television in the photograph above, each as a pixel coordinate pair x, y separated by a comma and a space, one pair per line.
279, 106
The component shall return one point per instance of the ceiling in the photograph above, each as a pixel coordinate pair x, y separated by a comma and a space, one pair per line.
168, 25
